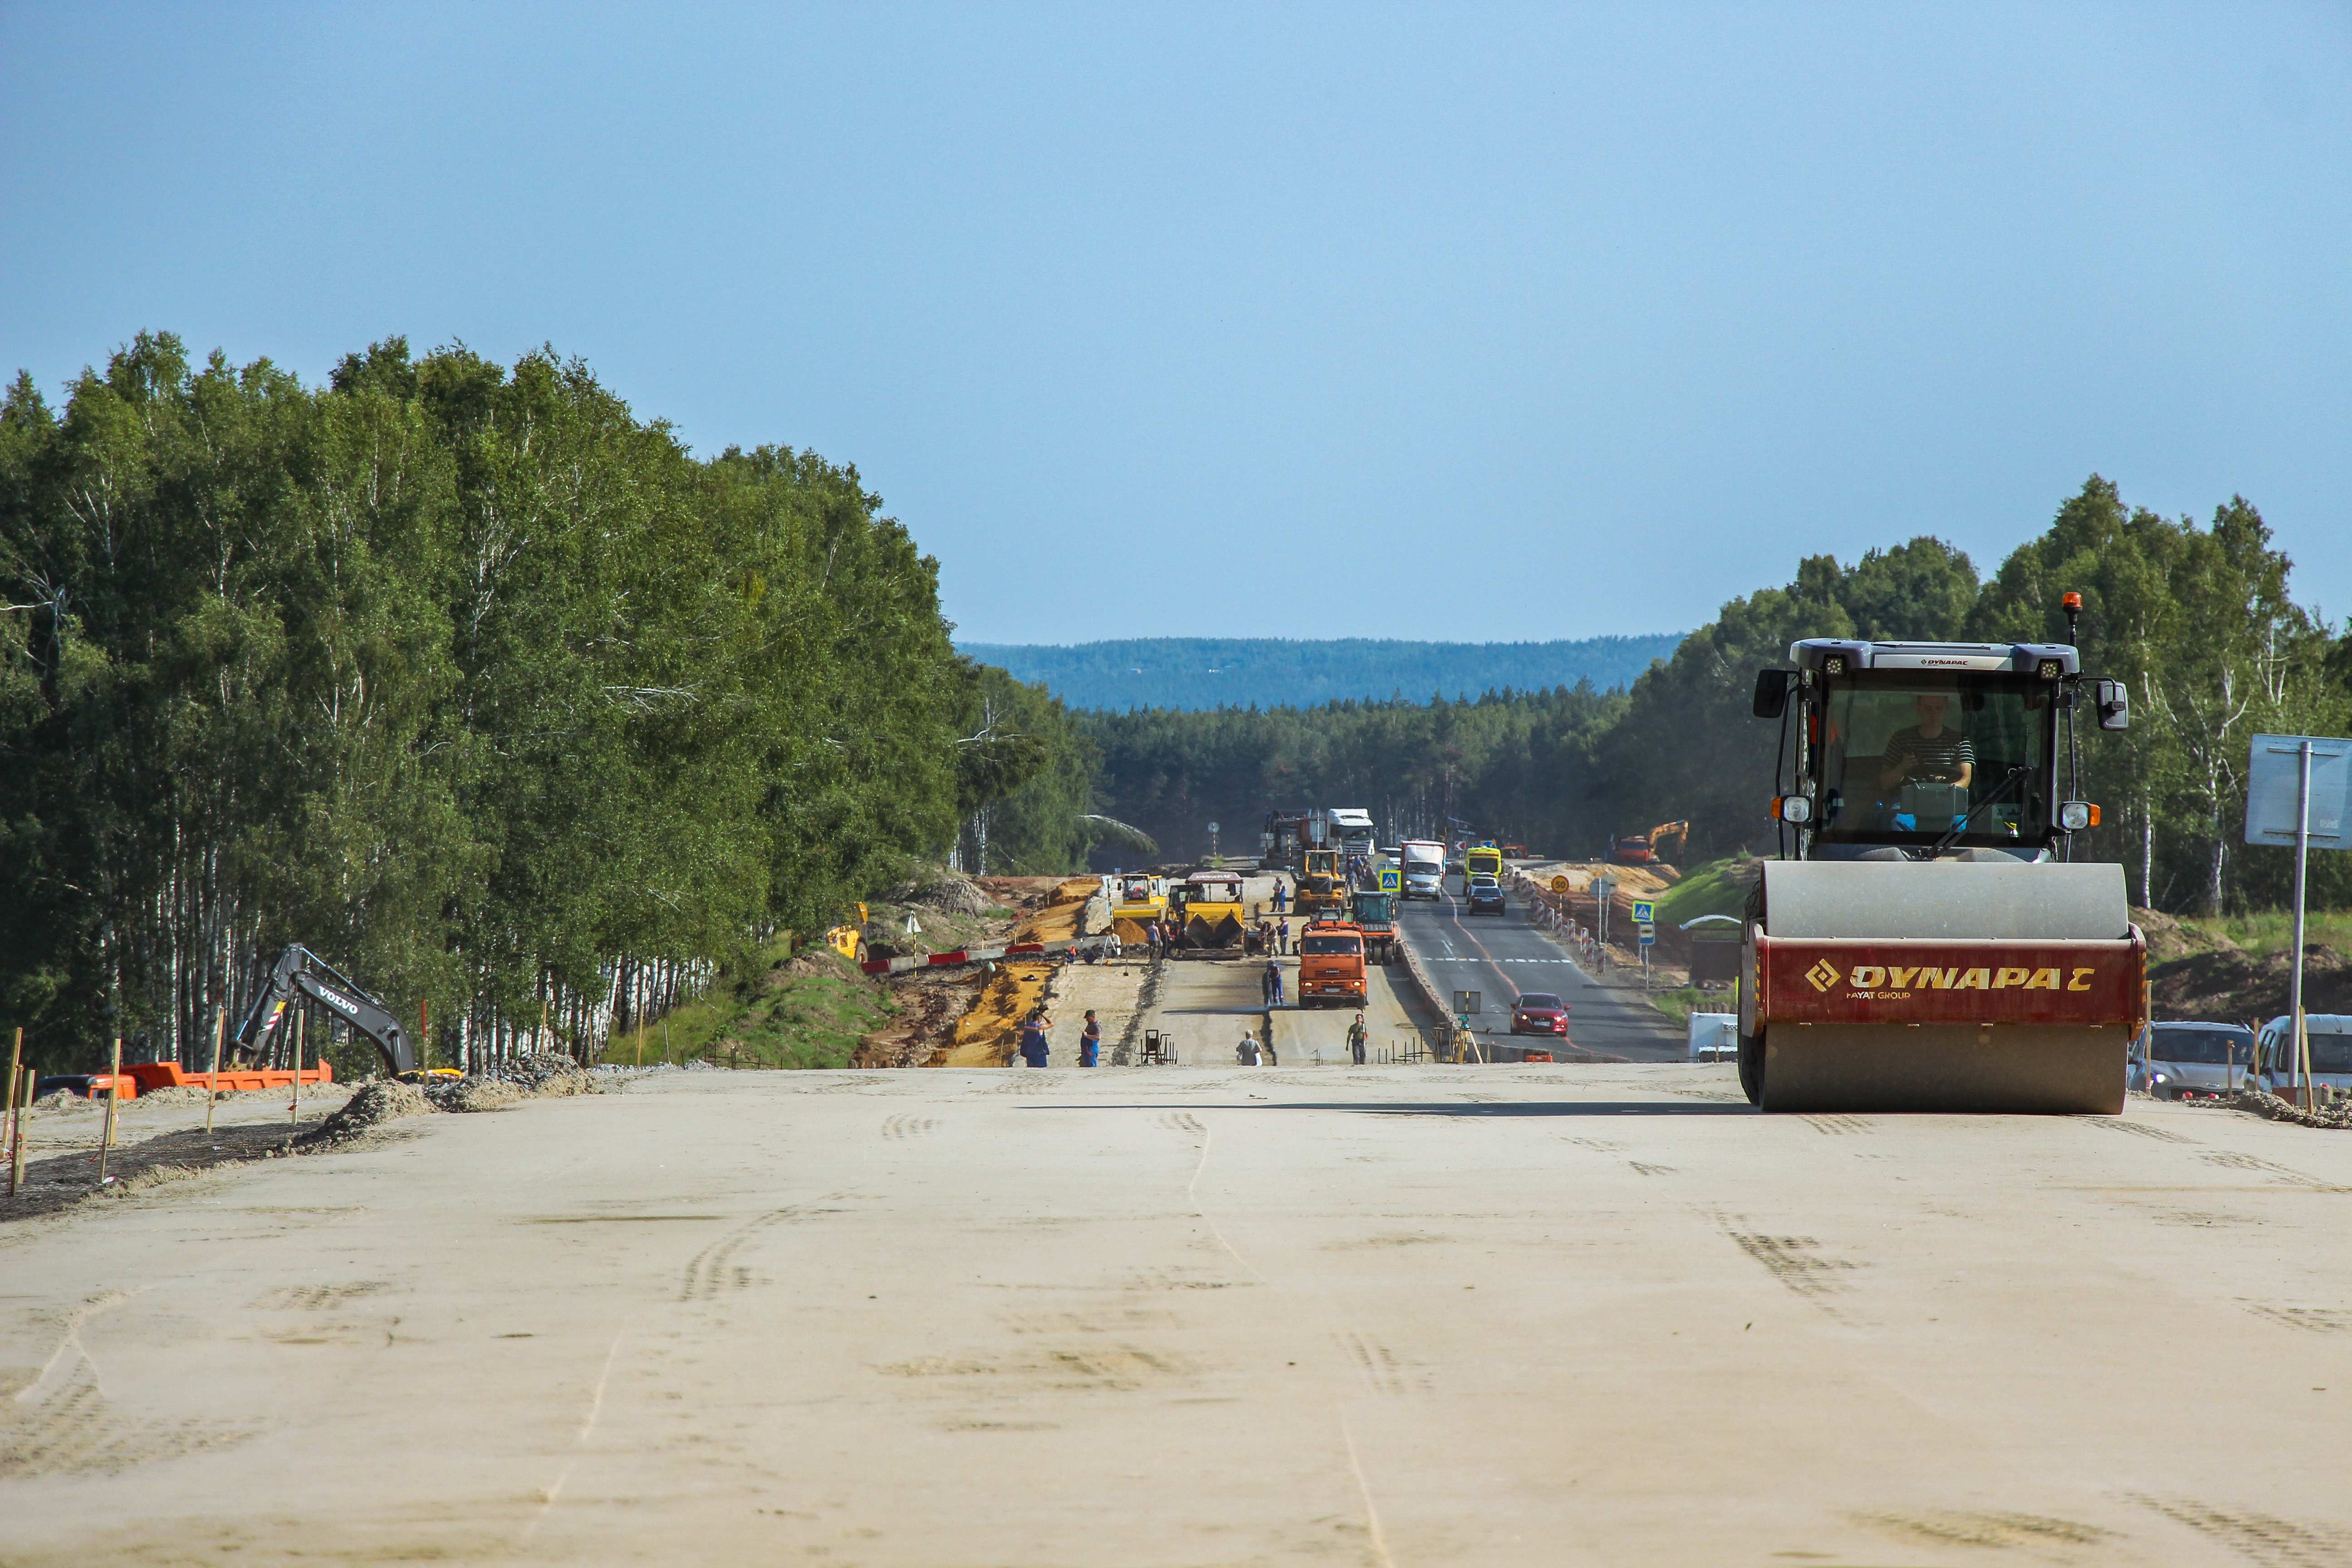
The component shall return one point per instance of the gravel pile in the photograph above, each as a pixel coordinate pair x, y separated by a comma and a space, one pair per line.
375, 1104
525, 1078
2262, 1102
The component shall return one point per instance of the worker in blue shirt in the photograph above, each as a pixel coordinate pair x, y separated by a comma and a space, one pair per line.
1034, 1049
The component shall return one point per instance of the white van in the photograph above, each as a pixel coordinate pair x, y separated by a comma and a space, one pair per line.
1423, 861
2331, 1053
1715, 1036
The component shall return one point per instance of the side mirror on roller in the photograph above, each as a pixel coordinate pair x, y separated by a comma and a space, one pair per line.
1771, 692
2075, 815
1796, 809
2113, 700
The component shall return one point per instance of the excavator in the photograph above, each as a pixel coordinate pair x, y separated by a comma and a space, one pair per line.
1650, 849
300, 971
1926, 941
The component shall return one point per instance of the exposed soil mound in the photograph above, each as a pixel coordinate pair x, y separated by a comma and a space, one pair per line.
2169, 939
931, 1004
953, 894
818, 959
374, 1105
2232, 985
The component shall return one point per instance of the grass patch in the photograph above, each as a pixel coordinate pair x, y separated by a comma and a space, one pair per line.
781, 1012
2273, 931
1681, 1003
1713, 888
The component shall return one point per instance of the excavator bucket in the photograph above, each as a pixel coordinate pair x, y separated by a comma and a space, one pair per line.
1974, 984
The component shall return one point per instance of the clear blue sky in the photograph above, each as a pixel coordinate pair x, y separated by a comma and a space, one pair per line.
1439, 322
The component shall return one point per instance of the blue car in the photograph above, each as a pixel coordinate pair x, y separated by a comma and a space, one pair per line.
1486, 896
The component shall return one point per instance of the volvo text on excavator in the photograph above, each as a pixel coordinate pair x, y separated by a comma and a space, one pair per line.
1924, 943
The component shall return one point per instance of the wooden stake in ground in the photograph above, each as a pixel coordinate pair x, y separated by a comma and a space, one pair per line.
212, 1084
113, 1098
2302, 1054
8, 1117
16, 1162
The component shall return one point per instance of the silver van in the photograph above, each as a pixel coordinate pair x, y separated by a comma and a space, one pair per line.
2192, 1061
2331, 1053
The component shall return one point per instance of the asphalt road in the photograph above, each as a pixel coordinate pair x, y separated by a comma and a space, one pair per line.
1499, 957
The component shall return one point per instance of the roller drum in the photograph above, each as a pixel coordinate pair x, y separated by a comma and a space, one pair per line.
1953, 986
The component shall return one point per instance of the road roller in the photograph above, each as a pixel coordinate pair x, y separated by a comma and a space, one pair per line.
1925, 941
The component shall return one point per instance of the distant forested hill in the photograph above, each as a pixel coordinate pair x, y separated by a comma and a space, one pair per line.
1209, 672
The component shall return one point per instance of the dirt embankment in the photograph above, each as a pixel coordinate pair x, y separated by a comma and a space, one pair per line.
2233, 986
931, 1005
987, 1031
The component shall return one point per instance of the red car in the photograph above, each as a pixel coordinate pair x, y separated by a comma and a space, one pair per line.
1539, 1013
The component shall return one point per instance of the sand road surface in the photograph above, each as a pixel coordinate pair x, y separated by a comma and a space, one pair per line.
1393, 1316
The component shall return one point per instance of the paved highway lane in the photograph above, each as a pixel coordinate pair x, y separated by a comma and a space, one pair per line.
1501, 957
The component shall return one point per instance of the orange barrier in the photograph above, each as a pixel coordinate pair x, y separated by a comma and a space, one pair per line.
153, 1076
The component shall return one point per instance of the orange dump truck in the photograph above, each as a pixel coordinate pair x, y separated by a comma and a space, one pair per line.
1332, 965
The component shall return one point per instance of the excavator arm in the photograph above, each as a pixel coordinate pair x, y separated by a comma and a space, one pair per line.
299, 970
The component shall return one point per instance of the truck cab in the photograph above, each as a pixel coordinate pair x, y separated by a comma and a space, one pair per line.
1332, 965
1422, 862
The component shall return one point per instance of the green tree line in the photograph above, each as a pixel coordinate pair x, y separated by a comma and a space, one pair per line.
484, 689
2197, 617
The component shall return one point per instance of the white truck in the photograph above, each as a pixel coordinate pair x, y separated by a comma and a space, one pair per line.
1353, 830
1423, 861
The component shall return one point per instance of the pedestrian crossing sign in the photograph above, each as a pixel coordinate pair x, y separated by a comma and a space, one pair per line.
1645, 912
1392, 879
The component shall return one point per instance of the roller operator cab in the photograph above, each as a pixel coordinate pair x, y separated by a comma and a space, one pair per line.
1921, 944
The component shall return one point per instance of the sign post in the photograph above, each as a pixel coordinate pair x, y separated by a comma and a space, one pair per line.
2298, 790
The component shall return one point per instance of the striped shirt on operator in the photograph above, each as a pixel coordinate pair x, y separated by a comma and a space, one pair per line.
1934, 759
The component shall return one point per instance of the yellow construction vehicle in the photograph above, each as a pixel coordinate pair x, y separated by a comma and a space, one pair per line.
1207, 913
1140, 897
1322, 885
849, 940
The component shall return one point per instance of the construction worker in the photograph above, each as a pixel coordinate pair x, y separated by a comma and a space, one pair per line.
1273, 984
1282, 937
1357, 1036
1090, 1043
1246, 1053
1281, 896
1034, 1051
